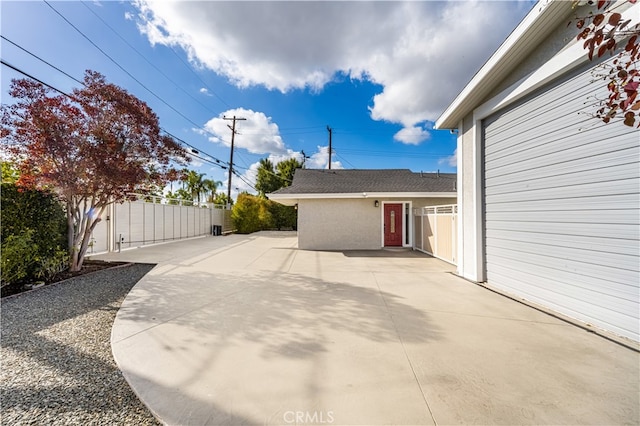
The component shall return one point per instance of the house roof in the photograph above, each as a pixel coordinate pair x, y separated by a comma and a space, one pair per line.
535, 27
341, 183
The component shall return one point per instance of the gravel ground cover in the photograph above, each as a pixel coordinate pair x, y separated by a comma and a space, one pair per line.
56, 362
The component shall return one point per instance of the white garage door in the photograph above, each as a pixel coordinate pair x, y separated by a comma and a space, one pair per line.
562, 206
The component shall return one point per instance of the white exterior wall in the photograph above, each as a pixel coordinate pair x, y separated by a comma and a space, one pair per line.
526, 78
347, 224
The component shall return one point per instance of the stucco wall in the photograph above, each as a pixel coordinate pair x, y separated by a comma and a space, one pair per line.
466, 187
347, 224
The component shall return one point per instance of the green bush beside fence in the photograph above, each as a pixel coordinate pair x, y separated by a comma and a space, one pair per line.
33, 236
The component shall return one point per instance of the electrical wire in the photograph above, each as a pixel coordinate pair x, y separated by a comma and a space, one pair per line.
82, 83
125, 71
42, 60
145, 58
215, 162
35, 79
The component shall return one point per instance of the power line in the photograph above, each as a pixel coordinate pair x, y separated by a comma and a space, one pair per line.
216, 161
198, 77
42, 60
35, 79
82, 83
145, 58
124, 70
345, 160
245, 181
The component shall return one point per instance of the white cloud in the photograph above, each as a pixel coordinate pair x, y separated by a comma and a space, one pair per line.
204, 91
422, 53
320, 160
257, 133
413, 135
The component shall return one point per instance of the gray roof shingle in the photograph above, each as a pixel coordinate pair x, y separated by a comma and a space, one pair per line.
341, 181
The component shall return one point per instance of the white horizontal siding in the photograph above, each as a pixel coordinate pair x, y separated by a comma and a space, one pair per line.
562, 206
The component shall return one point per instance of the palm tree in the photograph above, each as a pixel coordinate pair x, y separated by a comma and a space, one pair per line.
193, 184
210, 186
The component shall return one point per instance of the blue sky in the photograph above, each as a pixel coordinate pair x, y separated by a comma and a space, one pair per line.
378, 73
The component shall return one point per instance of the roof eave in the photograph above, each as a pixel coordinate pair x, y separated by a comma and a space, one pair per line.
292, 199
524, 38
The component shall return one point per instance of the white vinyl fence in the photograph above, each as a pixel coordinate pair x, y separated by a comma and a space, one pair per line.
436, 231
138, 223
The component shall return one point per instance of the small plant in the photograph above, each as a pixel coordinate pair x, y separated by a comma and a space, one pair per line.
18, 256
51, 266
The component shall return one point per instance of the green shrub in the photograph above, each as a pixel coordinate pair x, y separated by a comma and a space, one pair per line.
18, 255
251, 214
47, 268
284, 217
40, 211
34, 228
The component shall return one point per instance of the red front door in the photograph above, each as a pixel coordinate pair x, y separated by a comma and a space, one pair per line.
393, 225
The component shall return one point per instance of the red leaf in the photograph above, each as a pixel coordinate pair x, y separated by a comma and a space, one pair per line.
631, 87
601, 3
583, 33
614, 19
602, 50
629, 118
580, 24
598, 19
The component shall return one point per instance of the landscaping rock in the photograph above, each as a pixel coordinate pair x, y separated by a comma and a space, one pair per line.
57, 366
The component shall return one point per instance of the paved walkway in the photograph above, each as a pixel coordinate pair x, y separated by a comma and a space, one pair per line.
251, 330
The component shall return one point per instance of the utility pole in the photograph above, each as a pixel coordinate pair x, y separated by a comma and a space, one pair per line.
233, 134
330, 131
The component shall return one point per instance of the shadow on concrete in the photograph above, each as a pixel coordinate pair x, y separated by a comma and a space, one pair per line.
265, 308
387, 253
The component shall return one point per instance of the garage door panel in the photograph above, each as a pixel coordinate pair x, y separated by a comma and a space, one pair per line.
559, 265
598, 308
606, 230
545, 286
604, 244
613, 157
555, 154
621, 201
568, 95
614, 216
564, 254
562, 205
579, 189
614, 172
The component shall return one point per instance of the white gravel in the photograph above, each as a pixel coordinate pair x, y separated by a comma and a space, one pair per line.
56, 362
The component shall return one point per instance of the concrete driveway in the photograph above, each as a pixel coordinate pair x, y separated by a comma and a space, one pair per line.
251, 330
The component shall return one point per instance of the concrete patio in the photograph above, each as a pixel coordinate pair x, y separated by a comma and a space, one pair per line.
251, 330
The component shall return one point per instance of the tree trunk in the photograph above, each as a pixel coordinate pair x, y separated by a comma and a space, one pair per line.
71, 231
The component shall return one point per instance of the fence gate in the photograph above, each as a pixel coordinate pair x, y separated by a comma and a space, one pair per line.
436, 231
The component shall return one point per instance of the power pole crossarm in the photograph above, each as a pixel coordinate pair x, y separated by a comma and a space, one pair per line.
233, 134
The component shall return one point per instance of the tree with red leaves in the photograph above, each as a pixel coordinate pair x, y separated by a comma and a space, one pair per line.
602, 32
93, 147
